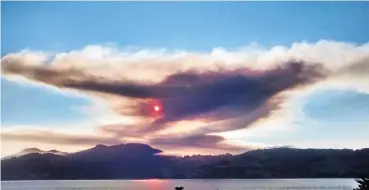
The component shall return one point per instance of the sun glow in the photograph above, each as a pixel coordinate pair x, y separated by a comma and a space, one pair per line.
156, 108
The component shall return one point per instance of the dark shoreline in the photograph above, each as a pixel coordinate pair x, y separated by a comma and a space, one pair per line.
140, 162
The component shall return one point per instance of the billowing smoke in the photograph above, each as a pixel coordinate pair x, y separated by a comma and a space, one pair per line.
211, 95
226, 95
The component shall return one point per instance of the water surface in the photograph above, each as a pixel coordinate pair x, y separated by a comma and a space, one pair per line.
188, 184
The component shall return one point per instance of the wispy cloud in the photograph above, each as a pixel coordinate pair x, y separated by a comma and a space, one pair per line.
197, 141
51, 137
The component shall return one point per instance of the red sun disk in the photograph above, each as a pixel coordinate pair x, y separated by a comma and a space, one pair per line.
156, 108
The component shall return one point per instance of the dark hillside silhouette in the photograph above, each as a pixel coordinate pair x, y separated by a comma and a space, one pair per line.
140, 161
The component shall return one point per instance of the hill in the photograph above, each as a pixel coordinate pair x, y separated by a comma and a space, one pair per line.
138, 161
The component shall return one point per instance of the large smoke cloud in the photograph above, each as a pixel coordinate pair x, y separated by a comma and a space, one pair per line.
227, 91
211, 95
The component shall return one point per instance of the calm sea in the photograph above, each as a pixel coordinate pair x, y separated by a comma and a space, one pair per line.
191, 184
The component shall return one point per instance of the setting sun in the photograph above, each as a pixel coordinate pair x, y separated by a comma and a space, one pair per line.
156, 108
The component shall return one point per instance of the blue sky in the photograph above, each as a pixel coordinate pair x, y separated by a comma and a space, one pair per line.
187, 25
25, 104
191, 26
